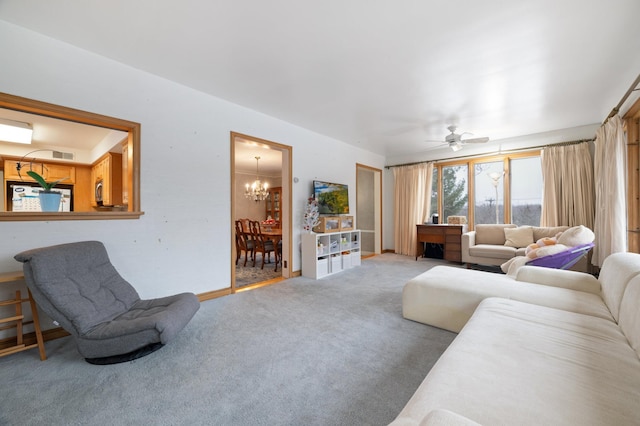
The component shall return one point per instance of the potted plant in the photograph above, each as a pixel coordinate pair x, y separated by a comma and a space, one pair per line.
49, 199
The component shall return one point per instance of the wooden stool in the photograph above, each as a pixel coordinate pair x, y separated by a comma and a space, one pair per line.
17, 321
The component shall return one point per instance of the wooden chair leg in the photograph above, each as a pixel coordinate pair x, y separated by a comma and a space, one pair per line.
36, 327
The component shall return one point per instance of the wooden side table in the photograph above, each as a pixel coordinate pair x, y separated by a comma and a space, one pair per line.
17, 321
450, 236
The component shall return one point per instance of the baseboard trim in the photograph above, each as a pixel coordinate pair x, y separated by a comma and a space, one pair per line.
213, 294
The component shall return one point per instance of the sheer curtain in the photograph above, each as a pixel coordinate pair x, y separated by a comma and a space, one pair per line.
412, 201
568, 186
610, 172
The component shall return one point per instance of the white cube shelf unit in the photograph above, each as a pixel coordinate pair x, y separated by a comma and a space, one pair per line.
326, 254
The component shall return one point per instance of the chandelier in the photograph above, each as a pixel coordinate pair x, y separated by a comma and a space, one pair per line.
257, 191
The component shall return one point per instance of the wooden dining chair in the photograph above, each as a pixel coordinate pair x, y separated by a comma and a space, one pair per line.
244, 241
263, 244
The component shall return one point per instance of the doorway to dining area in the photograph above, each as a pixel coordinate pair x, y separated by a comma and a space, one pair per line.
260, 211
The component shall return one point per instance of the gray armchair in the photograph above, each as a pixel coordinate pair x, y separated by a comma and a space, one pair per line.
77, 286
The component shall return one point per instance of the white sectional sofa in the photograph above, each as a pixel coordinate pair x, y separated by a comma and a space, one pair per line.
549, 348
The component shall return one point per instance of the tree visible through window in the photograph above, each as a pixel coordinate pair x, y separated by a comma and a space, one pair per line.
434, 193
454, 192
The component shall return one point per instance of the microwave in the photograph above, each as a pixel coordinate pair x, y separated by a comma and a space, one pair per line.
98, 192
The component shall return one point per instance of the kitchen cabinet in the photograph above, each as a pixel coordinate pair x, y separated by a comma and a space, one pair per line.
127, 169
106, 175
49, 171
273, 202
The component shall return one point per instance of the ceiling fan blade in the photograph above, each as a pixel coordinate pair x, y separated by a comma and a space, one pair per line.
475, 140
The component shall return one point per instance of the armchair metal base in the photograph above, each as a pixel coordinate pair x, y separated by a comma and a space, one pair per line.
130, 356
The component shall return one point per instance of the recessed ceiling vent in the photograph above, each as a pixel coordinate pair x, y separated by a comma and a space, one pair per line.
63, 155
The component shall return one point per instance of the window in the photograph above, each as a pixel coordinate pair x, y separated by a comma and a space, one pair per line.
501, 189
455, 191
489, 192
434, 193
130, 160
526, 191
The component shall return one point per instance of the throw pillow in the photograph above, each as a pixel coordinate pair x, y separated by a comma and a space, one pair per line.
518, 237
576, 236
491, 234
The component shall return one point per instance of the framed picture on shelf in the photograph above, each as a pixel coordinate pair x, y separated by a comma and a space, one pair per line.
346, 223
328, 224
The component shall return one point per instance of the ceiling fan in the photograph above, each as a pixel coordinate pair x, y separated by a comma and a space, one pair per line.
455, 141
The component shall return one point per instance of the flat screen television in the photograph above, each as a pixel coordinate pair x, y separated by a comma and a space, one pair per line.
332, 198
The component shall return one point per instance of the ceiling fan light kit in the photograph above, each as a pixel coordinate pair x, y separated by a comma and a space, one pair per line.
455, 141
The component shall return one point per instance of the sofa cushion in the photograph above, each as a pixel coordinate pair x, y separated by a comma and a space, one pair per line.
491, 234
446, 418
492, 251
617, 270
560, 278
544, 231
518, 237
520, 364
446, 297
630, 314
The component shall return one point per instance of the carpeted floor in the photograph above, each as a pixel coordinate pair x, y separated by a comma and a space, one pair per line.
335, 351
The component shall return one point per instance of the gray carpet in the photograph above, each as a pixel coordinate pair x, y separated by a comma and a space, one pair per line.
301, 352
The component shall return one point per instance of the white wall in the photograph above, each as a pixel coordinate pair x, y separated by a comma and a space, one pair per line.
178, 244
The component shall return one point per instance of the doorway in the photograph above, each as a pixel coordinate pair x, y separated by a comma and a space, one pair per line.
369, 208
270, 162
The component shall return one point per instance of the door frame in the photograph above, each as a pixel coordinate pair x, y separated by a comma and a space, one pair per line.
285, 203
377, 194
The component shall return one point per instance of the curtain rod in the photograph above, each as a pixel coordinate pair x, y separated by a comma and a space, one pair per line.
510, 151
616, 109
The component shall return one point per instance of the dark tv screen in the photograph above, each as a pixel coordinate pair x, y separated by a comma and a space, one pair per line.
333, 198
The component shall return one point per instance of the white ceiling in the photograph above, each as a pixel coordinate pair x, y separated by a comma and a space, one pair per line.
270, 163
67, 135
385, 76
85, 142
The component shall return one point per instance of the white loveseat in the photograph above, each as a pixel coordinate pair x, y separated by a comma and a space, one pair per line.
552, 347
488, 245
